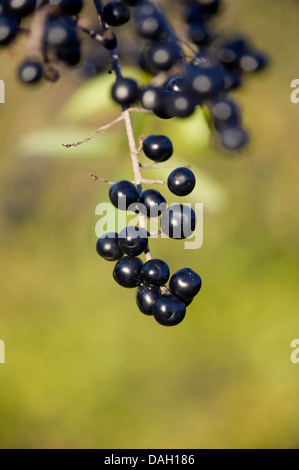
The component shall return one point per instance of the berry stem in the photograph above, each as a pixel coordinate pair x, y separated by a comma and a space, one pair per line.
136, 168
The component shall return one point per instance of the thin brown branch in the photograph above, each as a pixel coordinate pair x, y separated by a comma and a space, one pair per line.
100, 180
146, 181
102, 128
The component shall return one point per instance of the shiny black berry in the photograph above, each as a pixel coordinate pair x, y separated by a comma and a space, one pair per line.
123, 194
155, 272
178, 221
168, 310
127, 271
152, 203
133, 240
185, 284
124, 91
108, 247
146, 296
157, 147
30, 71
116, 13
181, 181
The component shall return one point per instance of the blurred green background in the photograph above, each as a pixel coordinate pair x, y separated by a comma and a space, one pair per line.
84, 369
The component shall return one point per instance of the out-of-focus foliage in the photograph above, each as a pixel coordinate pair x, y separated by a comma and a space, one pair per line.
84, 368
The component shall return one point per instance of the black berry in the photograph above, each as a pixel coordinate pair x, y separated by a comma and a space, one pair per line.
185, 284
133, 240
30, 71
116, 13
8, 29
108, 247
124, 91
181, 181
146, 296
178, 221
155, 272
123, 194
168, 310
127, 271
21, 8
152, 202
234, 138
157, 147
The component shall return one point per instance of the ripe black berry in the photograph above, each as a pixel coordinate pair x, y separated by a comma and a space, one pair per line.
230, 52
108, 247
164, 108
124, 91
168, 310
185, 284
181, 105
163, 56
178, 221
155, 272
152, 202
181, 181
8, 29
148, 23
205, 82
252, 62
123, 194
146, 296
225, 114
21, 8
60, 33
116, 13
199, 34
127, 271
234, 138
30, 71
158, 148
133, 240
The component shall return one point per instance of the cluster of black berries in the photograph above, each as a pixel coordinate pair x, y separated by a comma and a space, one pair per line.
168, 305
215, 67
200, 71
